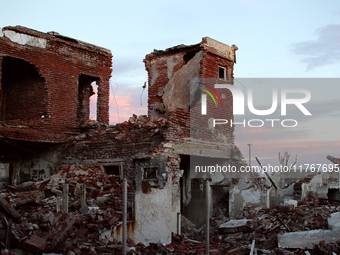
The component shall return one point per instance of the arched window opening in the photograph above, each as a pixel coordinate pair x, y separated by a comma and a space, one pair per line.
23, 92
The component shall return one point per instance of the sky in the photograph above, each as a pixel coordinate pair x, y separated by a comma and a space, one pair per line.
276, 39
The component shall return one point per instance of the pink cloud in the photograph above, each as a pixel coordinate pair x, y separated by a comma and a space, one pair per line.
123, 106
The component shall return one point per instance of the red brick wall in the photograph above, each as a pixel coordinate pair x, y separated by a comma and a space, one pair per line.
157, 66
209, 75
60, 65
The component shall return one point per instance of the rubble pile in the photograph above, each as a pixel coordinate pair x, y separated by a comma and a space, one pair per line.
128, 131
137, 136
34, 213
263, 225
136, 129
258, 226
43, 227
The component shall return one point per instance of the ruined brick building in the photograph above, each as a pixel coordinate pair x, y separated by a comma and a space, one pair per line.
45, 88
46, 82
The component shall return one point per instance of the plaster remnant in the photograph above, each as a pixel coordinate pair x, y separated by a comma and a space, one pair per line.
172, 61
178, 90
153, 74
25, 39
154, 215
221, 48
1, 33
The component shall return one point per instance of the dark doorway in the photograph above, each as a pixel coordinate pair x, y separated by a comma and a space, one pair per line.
5, 174
333, 194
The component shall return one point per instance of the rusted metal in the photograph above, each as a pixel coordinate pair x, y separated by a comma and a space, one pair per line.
270, 179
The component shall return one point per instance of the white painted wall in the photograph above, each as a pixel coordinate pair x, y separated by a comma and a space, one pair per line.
24, 39
154, 216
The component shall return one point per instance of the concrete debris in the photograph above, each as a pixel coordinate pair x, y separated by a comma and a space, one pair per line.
233, 226
334, 221
307, 239
187, 227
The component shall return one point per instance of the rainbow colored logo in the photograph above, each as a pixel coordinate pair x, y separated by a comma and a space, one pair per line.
209, 93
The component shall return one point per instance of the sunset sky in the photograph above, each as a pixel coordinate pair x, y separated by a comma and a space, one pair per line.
276, 39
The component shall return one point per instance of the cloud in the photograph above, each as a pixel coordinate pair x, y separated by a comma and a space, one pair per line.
124, 101
129, 66
323, 51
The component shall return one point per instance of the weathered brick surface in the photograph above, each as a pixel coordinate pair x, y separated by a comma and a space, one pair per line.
56, 98
209, 73
159, 74
162, 65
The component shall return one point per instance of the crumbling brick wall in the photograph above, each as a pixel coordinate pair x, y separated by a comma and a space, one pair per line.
42, 83
160, 67
174, 77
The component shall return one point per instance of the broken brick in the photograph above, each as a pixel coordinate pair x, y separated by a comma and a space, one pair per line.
35, 244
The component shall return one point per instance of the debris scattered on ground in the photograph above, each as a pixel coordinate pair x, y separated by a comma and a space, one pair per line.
39, 224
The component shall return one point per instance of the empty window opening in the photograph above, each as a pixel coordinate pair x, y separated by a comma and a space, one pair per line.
150, 173
87, 87
222, 73
23, 92
333, 194
94, 101
112, 170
